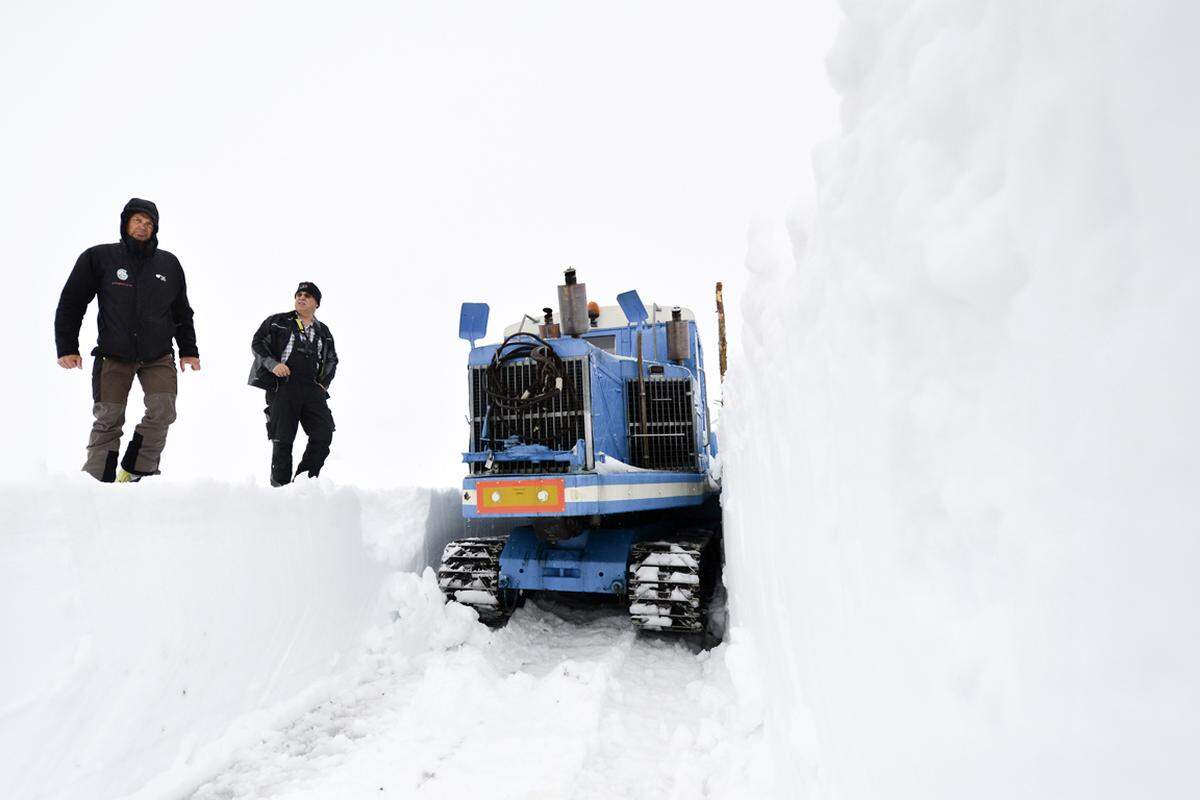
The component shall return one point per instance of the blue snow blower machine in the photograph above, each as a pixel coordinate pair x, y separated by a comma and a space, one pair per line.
590, 450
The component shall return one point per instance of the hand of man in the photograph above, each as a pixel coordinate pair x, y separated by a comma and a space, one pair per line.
281, 371
189, 361
71, 362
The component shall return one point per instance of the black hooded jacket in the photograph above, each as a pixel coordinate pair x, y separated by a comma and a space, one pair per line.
143, 298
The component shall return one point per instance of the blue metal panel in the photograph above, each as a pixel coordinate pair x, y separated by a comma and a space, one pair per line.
632, 305
594, 561
535, 453
608, 405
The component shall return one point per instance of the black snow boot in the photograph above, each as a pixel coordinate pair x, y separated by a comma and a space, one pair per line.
281, 463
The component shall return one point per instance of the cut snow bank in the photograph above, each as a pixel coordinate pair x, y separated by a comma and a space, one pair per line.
148, 630
962, 493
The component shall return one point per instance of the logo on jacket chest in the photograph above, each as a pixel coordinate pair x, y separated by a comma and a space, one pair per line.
123, 275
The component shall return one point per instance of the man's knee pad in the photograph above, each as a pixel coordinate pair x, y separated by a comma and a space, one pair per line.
160, 408
109, 416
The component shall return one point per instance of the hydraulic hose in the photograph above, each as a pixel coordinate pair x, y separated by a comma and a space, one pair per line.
547, 379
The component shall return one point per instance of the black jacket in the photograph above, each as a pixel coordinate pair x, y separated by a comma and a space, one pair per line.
270, 340
143, 298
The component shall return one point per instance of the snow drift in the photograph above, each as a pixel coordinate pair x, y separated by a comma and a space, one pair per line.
149, 630
964, 432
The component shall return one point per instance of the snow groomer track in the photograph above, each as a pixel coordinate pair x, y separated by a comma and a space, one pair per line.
607, 712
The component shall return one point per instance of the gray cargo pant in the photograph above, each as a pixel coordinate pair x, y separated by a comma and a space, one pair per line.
111, 380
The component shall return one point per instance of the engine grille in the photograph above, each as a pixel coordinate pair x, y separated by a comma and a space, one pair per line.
669, 441
558, 424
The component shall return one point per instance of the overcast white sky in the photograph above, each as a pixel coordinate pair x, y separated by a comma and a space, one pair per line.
403, 156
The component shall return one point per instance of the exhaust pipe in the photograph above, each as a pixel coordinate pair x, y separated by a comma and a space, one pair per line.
572, 305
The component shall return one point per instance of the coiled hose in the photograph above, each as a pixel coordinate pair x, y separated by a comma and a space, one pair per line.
548, 377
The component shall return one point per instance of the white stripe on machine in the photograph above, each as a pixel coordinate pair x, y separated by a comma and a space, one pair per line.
609, 493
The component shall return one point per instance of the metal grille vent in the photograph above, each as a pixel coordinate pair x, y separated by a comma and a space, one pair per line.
558, 424
669, 441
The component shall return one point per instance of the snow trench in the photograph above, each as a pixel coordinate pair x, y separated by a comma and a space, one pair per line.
149, 631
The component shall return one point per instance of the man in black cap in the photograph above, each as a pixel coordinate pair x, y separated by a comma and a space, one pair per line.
143, 306
295, 361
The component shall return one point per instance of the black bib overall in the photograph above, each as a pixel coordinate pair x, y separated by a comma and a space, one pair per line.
298, 400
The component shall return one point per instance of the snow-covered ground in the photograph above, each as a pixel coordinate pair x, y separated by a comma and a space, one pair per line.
562, 702
151, 628
171, 640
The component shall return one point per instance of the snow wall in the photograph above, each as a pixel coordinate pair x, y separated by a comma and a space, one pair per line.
962, 493
149, 630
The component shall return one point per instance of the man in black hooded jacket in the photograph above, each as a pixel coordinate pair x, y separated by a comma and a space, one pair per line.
143, 306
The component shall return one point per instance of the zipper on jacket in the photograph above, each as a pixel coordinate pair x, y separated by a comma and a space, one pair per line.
137, 308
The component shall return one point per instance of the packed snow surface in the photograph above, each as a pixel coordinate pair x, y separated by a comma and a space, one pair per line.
561, 702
